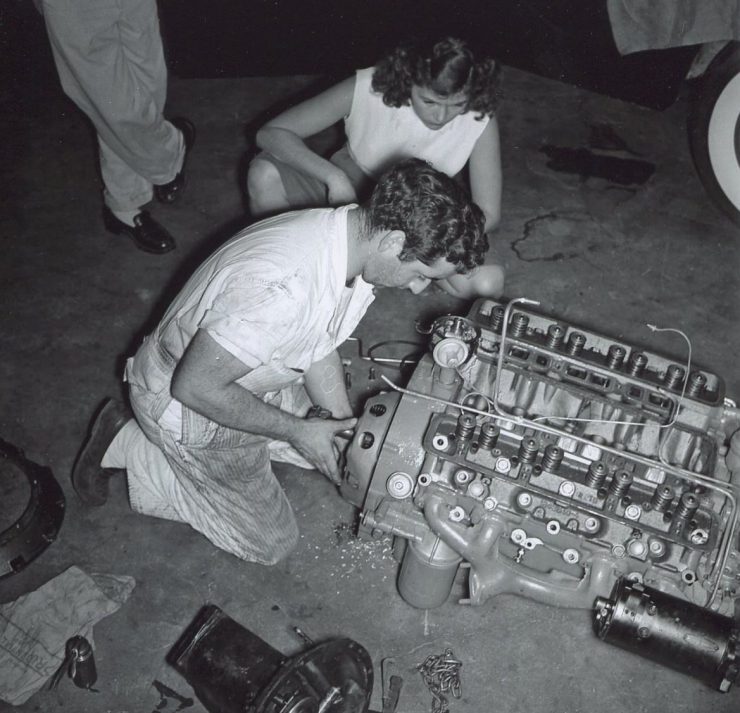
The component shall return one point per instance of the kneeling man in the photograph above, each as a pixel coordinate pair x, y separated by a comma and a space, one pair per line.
224, 383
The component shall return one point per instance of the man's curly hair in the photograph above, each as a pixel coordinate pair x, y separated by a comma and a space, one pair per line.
433, 210
446, 67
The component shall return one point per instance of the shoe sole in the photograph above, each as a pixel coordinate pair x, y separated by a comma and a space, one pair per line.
84, 464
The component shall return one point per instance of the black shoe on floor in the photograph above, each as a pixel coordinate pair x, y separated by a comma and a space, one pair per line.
147, 233
170, 192
89, 478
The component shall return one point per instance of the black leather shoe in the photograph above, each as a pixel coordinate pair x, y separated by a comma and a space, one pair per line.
89, 479
170, 192
148, 235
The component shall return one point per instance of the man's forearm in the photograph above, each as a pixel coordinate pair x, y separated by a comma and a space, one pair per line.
325, 385
235, 407
207, 380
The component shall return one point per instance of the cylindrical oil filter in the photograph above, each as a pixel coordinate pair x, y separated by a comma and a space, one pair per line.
427, 573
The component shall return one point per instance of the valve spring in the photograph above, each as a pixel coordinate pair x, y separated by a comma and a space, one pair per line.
697, 382
662, 498
528, 450
465, 427
674, 377
688, 504
488, 435
519, 324
497, 318
575, 343
596, 475
552, 458
620, 484
555, 336
615, 356
637, 363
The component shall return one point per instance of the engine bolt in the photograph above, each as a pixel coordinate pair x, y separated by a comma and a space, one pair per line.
441, 442
576, 340
476, 489
615, 356
399, 485
656, 547
555, 336
662, 498
465, 426
699, 536
462, 476
674, 377
596, 476
620, 484
489, 433
688, 504
553, 527
519, 324
697, 382
567, 489
591, 524
571, 556
528, 450
637, 363
497, 318
551, 458
518, 536
524, 500
503, 465
490, 503
457, 514
633, 512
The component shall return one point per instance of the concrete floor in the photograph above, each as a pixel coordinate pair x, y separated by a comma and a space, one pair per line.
75, 302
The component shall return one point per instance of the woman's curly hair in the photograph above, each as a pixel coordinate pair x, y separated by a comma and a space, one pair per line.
446, 67
433, 210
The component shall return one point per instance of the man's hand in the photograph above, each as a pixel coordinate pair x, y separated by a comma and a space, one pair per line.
314, 440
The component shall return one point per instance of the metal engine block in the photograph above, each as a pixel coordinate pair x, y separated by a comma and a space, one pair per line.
552, 462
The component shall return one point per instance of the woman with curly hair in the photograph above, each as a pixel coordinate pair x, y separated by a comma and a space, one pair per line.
431, 101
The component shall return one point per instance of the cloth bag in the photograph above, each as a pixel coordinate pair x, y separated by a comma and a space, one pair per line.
35, 627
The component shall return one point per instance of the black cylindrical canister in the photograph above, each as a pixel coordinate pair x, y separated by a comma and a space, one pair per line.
82, 669
670, 631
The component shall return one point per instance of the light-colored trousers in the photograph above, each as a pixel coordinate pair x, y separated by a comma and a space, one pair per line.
111, 64
181, 466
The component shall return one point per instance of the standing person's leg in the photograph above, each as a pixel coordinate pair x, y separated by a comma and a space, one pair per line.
110, 62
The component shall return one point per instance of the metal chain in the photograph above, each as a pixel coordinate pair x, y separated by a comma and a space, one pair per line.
441, 674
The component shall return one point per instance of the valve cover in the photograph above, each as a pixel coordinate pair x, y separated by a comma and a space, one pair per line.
550, 461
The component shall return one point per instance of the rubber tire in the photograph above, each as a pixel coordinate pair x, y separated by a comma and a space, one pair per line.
714, 130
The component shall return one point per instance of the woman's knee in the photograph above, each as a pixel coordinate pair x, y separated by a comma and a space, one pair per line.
265, 188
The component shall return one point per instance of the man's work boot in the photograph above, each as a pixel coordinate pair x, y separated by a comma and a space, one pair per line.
89, 478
